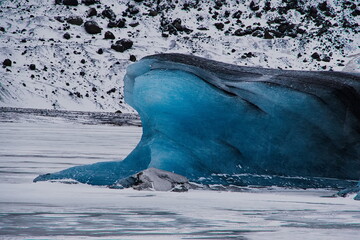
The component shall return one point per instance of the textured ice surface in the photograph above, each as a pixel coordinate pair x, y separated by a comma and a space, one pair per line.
204, 118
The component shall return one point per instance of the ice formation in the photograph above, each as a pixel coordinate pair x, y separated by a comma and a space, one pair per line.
210, 120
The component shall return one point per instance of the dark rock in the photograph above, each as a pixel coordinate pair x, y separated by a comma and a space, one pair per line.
32, 67
111, 91
59, 19
100, 51
92, 27
75, 20
134, 24
202, 28
267, 6
109, 35
91, 12
66, 36
219, 26
267, 35
253, 6
326, 58
122, 45
89, 2
133, 10
2, 29
70, 2
94, 89
83, 61
108, 13
239, 33
153, 13
355, 14
7, 63
237, 14
316, 56
132, 58
82, 73
119, 23
155, 179
323, 6
78, 94
118, 111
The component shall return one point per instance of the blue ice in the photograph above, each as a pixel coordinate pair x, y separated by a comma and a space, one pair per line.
241, 125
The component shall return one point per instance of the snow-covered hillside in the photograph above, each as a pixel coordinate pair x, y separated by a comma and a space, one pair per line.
53, 56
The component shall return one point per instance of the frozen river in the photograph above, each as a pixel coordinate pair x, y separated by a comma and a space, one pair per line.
33, 144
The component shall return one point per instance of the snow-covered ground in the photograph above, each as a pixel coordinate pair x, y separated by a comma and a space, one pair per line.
32, 145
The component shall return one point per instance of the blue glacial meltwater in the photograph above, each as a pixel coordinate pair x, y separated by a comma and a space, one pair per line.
227, 124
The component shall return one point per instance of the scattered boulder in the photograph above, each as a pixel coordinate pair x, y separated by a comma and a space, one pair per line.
92, 27
316, 56
117, 23
59, 19
134, 24
7, 63
219, 26
253, 6
111, 91
122, 45
108, 13
66, 35
32, 67
109, 35
152, 13
155, 180
2, 29
91, 12
89, 2
132, 58
75, 20
70, 2
100, 51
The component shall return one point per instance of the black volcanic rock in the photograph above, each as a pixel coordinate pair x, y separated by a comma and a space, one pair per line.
316, 56
117, 23
92, 27
70, 2
91, 12
66, 36
75, 20
32, 67
100, 51
89, 2
108, 13
109, 35
219, 26
253, 6
122, 45
132, 58
7, 63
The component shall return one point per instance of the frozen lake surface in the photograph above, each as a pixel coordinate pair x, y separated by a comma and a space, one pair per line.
33, 144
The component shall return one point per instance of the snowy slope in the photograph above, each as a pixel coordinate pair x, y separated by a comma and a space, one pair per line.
71, 74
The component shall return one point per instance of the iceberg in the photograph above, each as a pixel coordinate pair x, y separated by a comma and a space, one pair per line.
221, 123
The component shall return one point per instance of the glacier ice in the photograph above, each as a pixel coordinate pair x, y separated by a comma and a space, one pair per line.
209, 120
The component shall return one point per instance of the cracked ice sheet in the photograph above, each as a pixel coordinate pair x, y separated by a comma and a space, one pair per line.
63, 211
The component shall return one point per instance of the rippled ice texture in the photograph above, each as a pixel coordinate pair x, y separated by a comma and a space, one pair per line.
36, 145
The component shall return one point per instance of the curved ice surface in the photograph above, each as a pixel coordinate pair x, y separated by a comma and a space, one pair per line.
209, 120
